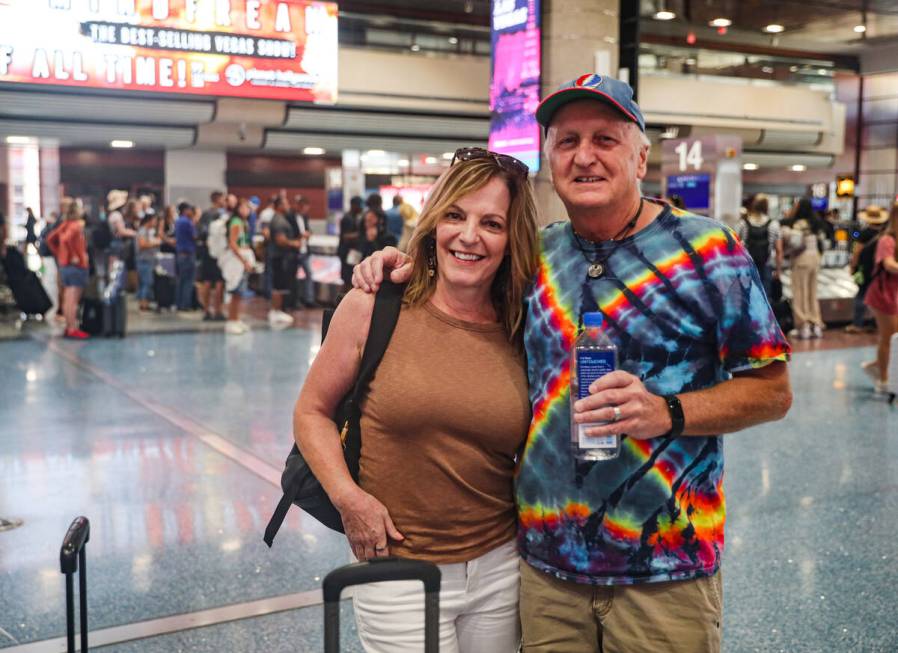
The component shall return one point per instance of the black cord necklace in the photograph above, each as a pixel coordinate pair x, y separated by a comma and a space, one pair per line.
597, 265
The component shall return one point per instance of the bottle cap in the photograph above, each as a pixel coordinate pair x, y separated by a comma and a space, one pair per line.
593, 320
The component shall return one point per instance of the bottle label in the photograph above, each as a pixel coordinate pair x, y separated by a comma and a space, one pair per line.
592, 365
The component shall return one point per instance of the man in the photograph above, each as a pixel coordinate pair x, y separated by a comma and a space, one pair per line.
211, 283
185, 252
350, 229
872, 220
394, 218
624, 555
300, 223
283, 249
761, 236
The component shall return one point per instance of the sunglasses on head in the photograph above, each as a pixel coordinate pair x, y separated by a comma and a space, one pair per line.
507, 163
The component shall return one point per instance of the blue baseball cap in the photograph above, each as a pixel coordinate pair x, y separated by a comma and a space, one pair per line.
255, 201
592, 86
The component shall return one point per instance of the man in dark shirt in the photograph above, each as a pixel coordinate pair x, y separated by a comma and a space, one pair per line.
349, 233
284, 247
871, 220
185, 249
209, 277
302, 233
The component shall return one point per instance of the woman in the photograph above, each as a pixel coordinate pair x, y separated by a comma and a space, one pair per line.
236, 263
802, 236
372, 236
69, 246
882, 295
147, 243
444, 417
120, 223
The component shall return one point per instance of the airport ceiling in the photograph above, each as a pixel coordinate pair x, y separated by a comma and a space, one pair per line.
813, 25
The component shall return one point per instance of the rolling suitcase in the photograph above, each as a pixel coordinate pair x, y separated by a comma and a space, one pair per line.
27, 289
92, 316
115, 317
72, 558
375, 571
892, 385
163, 290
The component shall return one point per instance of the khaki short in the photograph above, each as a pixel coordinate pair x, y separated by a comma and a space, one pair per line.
559, 616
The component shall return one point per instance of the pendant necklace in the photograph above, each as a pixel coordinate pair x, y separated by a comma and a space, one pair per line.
597, 265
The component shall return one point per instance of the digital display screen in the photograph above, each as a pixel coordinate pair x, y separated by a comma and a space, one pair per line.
695, 190
285, 50
515, 79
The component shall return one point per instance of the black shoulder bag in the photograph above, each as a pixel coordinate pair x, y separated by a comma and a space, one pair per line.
298, 481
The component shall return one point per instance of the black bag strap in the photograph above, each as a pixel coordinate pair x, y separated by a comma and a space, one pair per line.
387, 304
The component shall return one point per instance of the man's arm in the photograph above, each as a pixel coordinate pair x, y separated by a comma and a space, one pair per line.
749, 398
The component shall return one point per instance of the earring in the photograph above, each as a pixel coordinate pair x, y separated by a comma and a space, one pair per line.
431, 259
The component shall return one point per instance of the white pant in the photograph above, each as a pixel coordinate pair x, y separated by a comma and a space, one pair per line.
478, 608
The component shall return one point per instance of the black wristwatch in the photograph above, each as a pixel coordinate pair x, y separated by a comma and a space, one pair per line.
677, 420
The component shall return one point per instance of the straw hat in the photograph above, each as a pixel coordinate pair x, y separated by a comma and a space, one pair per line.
116, 199
873, 214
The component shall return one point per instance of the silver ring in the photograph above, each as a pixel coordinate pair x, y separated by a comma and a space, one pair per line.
616, 413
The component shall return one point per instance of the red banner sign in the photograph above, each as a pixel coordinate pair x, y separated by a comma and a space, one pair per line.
284, 50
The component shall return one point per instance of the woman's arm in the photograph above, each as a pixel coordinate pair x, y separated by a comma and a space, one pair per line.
331, 376
233, 238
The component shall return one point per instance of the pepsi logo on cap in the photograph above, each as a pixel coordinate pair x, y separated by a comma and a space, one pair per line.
591, 80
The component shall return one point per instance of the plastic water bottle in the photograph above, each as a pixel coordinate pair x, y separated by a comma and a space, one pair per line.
593, 356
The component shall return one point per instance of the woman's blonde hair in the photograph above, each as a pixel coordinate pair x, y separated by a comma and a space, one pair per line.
74, 210
519, 266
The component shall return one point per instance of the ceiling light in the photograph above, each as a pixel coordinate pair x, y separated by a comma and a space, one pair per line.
313, 151
430, 160
720, 22
860, 29
670, 132
749, 166
453, 40
375, 152
793, 69
774, 28
121, 144
415, 47
18, 140
767, 69
402, 163
822, 71
665, 15
448, 155
799, 168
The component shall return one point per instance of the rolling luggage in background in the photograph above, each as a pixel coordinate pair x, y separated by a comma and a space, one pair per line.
375, 571
92, 316
72, 558
27, 289
164, 280
892, 385
115, 317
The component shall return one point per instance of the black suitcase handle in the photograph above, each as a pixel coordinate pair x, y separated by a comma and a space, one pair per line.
72, 558
378, 570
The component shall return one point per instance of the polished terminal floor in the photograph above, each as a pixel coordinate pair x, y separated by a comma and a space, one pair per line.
171, 444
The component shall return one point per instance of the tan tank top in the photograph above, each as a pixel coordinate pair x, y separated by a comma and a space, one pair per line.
446, 413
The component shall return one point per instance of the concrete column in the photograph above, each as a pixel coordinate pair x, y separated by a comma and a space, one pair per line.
579, 36
193, 174
49, 162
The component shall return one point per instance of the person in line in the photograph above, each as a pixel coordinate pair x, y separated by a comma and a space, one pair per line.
394, 218
872, 218
283, 248
236, 264
802, 237
122, 234
376, 203
264, 254
882, 296
147, 243
49, 269
475, 254
349, 233
372, 236
69, 246
409, 223
761, 236
624, 555
211, 283
30, 229
185, 256
302, 232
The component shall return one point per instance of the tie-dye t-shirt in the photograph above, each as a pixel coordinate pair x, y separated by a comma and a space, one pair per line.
683, 302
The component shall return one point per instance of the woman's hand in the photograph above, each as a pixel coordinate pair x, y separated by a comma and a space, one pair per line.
367, 524
368, 274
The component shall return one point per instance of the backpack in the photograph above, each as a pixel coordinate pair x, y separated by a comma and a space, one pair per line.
297, 480
101, 236
217, 240
757, 242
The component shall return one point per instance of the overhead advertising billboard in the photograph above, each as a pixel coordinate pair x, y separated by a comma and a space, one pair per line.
515, 79
284, 50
